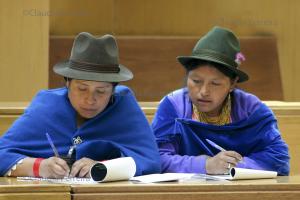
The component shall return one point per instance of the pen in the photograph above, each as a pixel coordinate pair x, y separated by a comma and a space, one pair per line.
218, 147
70, 152
215, 145
52, 145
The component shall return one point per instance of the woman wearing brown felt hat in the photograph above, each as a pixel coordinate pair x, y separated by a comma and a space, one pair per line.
91, 119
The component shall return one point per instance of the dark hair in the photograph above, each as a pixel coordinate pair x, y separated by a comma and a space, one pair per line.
114, 84
193, 64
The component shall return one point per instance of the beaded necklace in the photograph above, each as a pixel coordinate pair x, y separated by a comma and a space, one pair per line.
222, 119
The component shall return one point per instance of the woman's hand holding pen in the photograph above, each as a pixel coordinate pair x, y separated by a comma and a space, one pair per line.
54, 167
220, 163
81, 168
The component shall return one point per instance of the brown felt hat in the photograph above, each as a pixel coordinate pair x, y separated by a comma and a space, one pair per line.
94, 59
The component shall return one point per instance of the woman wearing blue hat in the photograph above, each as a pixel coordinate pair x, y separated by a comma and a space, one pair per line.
210, 126
89, 120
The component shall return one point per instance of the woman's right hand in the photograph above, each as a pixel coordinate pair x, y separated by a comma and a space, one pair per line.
54, 167
222, 162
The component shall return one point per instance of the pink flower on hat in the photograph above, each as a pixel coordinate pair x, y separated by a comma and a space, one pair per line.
239, 57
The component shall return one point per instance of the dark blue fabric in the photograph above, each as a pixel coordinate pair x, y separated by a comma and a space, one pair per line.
121, 129
256, 137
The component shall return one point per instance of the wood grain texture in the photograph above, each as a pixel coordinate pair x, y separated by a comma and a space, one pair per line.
11, 188
286, 187
24, 27
70, 18
193, 18
188, 196
280, 188
157, 72
36, 196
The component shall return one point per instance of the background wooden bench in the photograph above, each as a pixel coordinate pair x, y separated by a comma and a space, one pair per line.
287, 113
157, 72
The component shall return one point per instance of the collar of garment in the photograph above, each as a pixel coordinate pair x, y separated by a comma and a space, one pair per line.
222, 119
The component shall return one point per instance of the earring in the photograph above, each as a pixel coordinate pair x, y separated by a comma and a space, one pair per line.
112, 99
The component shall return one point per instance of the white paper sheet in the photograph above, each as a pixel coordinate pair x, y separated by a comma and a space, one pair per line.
112, 170
65, 180
154, 178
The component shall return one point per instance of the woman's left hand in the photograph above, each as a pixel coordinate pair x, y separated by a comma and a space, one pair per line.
81, 168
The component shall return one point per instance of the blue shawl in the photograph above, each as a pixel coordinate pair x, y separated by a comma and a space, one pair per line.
256, 137
121, 129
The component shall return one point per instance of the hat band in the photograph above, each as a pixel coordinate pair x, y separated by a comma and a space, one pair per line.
91, 67
215, 55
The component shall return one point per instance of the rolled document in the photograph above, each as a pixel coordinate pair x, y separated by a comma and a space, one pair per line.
242, 173
113, 170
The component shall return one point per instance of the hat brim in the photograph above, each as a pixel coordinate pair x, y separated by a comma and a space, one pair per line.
184, 60
63, 69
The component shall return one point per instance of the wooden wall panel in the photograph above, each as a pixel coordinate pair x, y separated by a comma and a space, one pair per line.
157, 72
24, 26
192, 18
70, 17
289, 128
